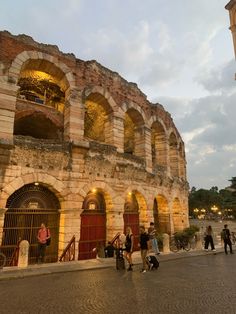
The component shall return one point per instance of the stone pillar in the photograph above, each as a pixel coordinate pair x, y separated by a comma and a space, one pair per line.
8, 94
174, 161
70, 221
166, 243
118, 133
198, 241
73, 116
2, 215
23, 254
161, 149
115, 220
142, 145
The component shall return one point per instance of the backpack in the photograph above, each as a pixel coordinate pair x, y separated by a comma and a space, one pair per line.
224, 234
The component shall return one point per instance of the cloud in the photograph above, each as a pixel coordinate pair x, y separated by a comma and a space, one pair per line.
219, 79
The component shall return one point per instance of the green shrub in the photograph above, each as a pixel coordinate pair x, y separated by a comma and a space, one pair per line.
186, 234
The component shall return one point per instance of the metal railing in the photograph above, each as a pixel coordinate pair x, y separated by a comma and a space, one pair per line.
68, 253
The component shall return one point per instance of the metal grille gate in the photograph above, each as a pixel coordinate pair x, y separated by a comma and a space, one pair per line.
23, 224
28, 207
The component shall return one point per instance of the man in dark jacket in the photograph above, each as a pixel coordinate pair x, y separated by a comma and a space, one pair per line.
225, 235
143, 243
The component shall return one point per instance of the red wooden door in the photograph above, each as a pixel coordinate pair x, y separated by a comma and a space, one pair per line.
92, 234
131, 219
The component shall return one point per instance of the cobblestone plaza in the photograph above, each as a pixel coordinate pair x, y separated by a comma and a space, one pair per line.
203, 284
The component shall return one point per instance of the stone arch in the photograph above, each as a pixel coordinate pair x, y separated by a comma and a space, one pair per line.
24, 57
108, 192
161, 213
135, 212
98, 118
159, 146
134, 133
173, 155
28, 207
53, 184
98, 90
43, 81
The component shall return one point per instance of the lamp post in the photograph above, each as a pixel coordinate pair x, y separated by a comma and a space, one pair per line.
196, 211
214, 209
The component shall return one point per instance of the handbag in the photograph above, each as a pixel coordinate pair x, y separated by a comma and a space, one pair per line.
48, 241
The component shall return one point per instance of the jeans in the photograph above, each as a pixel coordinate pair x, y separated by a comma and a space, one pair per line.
155, 246
41, 252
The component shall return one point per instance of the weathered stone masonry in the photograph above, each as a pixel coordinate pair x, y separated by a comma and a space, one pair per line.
101, 136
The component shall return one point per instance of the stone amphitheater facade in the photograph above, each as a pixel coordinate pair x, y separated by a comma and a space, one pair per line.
79, 141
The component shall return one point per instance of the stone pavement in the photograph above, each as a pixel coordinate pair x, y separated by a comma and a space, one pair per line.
61, 267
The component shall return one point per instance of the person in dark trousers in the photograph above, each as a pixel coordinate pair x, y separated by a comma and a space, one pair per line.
43, 236
209, 239
225, 236
143, 243
129, 245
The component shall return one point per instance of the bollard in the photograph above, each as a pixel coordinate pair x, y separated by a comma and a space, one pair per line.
198, 241
166, 243
23, 254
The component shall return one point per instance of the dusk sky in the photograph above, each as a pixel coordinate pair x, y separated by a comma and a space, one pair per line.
179, 52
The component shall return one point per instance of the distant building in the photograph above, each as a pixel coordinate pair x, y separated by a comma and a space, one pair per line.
82, 150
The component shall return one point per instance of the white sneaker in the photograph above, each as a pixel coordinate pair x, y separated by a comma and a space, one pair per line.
144, 271
214, 250
206, 250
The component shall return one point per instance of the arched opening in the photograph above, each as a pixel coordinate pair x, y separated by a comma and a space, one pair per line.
134, 139
161, 214
178, 215
159, 147
131, 216
28, 207
174, 157
37, 125
98, 124
93, 225
41, 91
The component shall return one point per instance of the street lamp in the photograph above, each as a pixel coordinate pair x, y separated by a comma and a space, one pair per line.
214, 208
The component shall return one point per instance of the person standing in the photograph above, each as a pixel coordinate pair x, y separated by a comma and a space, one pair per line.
209, 239
152, 236
129, 244
143, 243
225, 235
43, 236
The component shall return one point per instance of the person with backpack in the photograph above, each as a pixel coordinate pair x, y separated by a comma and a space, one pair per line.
225, 236
43, 237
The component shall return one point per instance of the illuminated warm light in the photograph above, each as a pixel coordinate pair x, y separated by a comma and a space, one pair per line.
36, 183
130, 193
214, 208
94, 190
